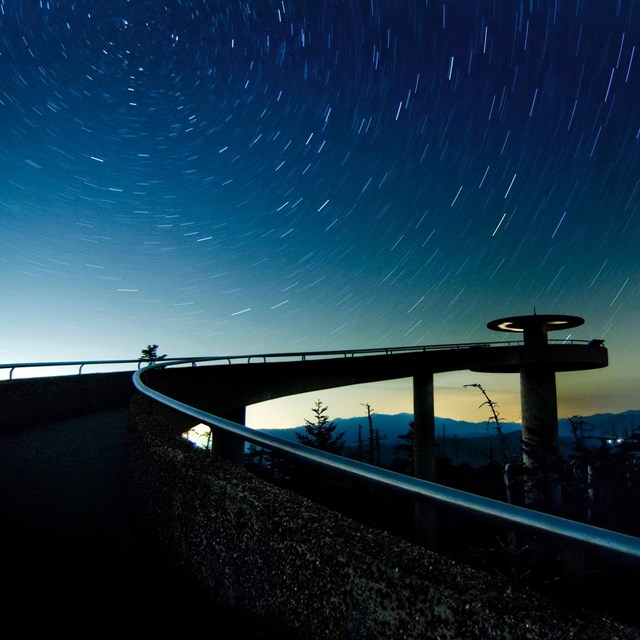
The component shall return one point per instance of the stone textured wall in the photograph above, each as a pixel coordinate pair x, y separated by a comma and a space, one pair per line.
30, 401
307, 572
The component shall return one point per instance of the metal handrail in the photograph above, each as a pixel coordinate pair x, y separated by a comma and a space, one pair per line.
579, 532
302, 355
82, 363
67, 363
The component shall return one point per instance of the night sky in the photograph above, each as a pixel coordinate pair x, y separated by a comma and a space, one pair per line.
259, 176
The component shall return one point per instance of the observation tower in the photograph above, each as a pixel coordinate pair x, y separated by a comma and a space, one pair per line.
537, 361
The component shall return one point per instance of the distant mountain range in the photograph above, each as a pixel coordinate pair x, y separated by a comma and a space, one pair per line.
470, 442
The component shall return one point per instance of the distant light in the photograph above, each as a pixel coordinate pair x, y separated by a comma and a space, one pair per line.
200, 435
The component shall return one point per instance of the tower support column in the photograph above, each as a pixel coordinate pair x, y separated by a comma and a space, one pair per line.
540, 449
424, 431
424, 456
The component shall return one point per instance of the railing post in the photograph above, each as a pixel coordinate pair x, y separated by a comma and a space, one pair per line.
424, 456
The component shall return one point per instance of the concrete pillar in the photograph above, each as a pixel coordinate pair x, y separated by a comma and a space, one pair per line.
541, 452
424, 456
227, 445
424, 430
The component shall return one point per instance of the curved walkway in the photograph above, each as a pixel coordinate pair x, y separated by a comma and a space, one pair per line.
68, 559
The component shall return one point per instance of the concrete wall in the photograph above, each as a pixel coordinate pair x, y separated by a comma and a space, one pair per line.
30, 401
303, 571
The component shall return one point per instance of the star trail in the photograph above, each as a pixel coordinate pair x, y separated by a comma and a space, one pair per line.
262, 176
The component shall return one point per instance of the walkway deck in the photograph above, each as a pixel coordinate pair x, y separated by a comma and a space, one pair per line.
67, 555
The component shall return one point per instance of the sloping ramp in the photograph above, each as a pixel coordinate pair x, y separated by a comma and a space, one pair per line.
67, 556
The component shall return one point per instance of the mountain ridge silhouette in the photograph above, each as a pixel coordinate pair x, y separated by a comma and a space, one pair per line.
392, 425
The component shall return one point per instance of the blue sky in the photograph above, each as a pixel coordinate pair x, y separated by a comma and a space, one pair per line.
266, 176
